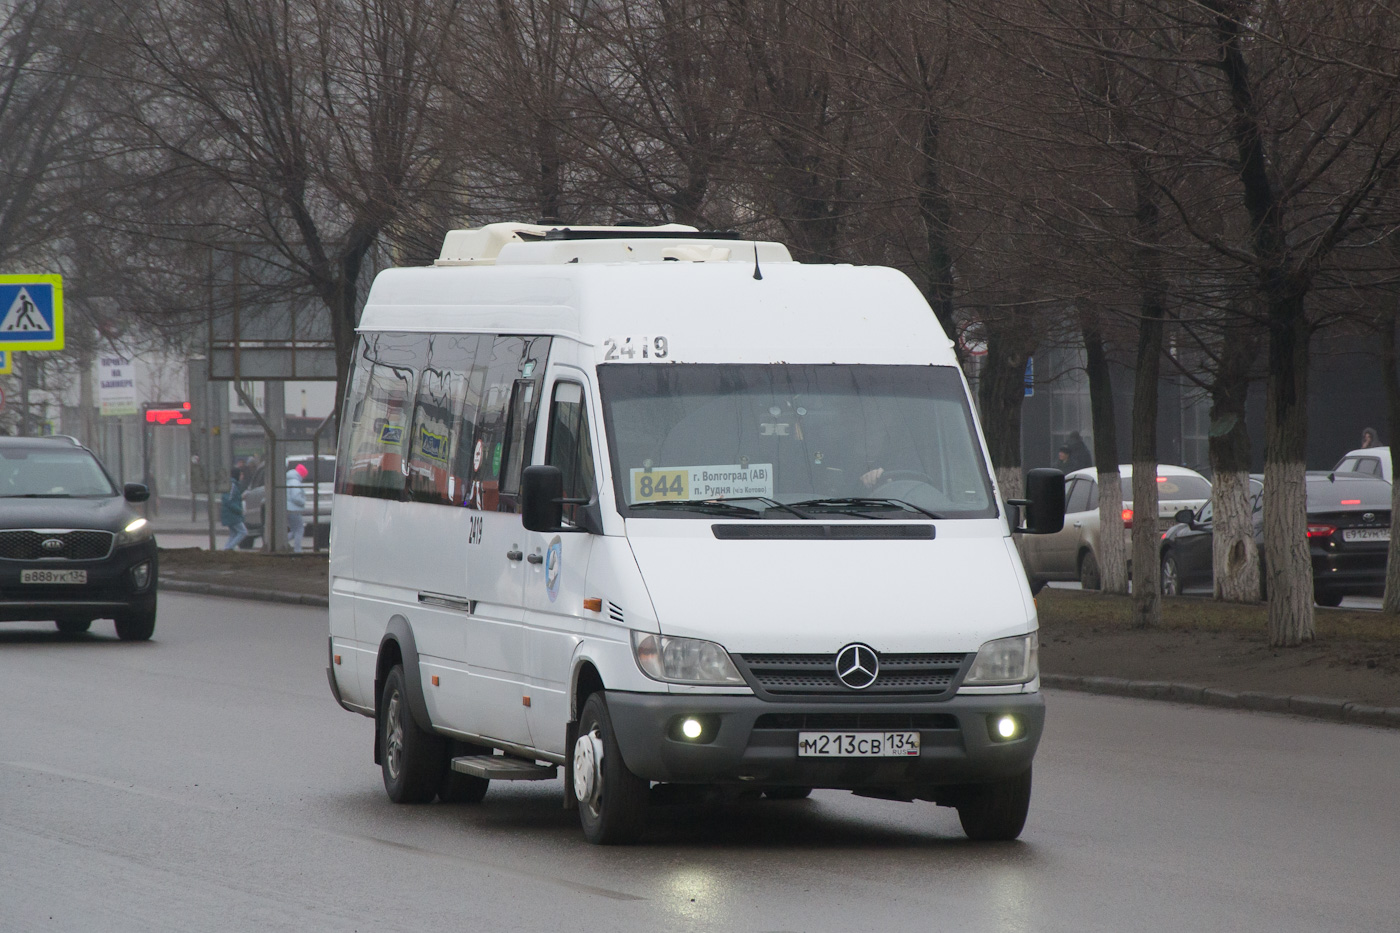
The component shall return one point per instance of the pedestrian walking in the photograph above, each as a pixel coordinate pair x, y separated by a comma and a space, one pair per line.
231, 511
296, 501
1079, 456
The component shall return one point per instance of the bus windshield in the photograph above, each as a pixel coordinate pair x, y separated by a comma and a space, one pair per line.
793, 441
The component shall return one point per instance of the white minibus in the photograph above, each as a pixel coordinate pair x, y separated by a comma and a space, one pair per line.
665, 507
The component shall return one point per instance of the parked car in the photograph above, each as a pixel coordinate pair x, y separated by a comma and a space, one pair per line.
1372, 461
72, 550
1072, 553
1348, 538
318, 525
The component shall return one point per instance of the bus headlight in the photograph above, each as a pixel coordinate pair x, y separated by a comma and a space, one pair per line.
683, 660
1013, 660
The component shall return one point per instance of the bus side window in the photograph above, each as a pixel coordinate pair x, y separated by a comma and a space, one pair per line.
386, 371
570, 446
440, 458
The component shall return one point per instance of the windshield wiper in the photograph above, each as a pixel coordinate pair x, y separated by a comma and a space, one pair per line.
848, 504
712, 506
39, 495
770, 503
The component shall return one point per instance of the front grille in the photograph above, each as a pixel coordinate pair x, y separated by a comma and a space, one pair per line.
76, 545
794, 675
827, 722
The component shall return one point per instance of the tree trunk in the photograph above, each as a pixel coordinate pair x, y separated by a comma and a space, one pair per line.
1390, 373
936, 214
1234, 554
1147, 570
1288, 566
1113, 551
1001, 390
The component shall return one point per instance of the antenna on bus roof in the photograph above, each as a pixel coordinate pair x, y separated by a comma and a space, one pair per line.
756, 274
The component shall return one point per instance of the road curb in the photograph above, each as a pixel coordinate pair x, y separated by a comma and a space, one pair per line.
238, 592
1328, 708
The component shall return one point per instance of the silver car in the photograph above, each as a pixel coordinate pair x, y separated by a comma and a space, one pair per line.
1072, 553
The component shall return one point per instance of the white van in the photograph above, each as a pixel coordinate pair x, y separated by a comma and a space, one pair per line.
668, 507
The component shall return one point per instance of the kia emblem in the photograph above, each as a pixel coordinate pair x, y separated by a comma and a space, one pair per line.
52, 544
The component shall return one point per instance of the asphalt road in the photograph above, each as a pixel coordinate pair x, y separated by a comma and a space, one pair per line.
207, 781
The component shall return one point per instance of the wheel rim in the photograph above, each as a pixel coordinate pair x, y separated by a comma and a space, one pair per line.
394, 740
588, 771
1169, 577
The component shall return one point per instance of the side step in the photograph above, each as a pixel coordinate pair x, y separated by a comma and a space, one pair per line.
504, 768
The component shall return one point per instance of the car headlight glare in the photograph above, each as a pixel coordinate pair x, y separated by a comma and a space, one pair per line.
138, 529
1013, 660
683, 660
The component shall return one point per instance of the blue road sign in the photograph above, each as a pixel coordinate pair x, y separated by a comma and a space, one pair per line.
31, 312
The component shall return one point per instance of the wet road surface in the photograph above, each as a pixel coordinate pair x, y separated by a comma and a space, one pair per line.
207, 781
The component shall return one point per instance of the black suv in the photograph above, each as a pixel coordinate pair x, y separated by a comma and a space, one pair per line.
71, 548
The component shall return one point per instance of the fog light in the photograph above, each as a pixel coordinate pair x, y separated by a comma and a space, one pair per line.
693, 729
141, 575
1006, 728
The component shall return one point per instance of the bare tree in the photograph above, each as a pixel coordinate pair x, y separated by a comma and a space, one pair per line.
320, 121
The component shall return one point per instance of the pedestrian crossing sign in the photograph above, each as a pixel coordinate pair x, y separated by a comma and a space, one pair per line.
7, 363
31, 312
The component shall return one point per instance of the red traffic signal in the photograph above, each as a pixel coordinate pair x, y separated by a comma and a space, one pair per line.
180, 415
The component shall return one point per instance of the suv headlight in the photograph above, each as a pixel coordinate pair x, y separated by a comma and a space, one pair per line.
1013, 660
683, 660
137, 531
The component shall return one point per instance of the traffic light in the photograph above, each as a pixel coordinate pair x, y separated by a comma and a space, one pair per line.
169, 413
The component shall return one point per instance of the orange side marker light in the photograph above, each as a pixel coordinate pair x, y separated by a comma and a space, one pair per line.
435, 680
593, 604
337, 659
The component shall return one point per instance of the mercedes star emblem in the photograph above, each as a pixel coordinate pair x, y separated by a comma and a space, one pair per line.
857, 666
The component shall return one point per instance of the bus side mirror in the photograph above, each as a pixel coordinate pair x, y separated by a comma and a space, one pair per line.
541, 498
1044, 502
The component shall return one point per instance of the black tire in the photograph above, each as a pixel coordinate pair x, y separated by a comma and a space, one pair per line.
410, 758
1327, 598
787, 793
1089, 572
456, 787
1171, 579
616, 812
137, 623
73, 626
996, 812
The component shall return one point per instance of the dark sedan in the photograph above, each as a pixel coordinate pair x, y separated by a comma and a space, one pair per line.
1348, 538
71, 548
